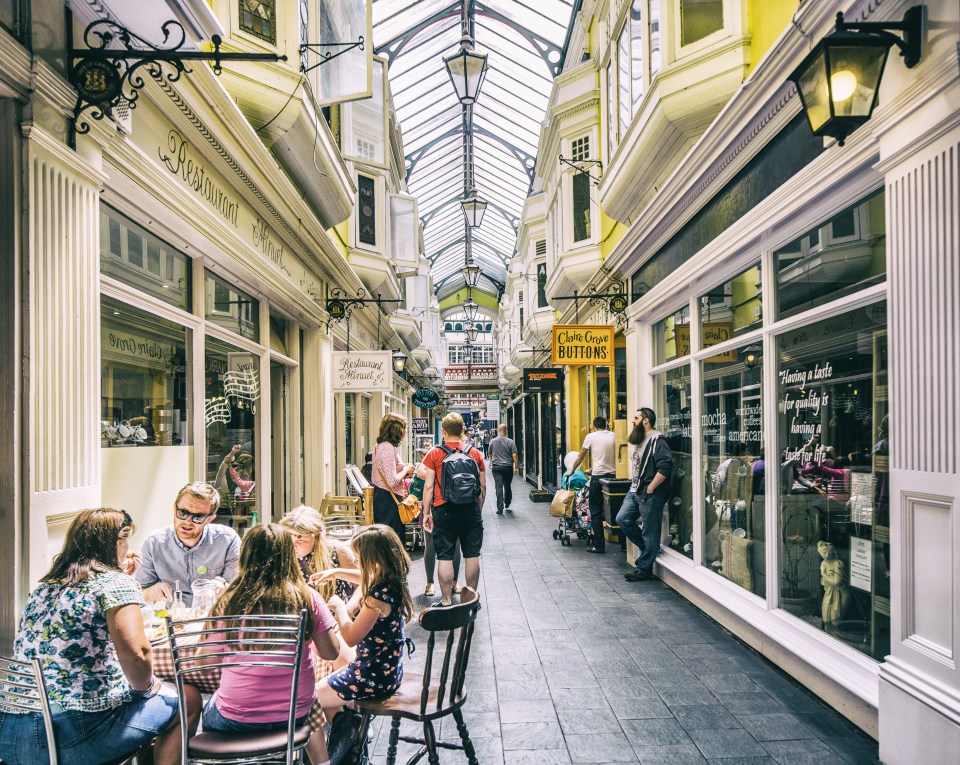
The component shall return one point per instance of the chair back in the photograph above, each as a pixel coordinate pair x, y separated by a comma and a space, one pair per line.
342, 513
23, 689
252, 640
450, 629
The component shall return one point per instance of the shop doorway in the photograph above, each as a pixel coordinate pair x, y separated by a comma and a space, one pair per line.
279, 431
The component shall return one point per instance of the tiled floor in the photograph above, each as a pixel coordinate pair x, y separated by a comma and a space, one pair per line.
572, 664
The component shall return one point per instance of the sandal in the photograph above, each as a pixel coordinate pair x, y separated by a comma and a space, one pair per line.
457, 589
428, 590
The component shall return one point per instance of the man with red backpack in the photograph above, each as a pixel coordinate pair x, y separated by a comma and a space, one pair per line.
454, 490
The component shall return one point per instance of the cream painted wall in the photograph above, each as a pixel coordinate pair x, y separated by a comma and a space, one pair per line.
144, 482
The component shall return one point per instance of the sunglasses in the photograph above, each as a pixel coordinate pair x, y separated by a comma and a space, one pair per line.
198, 518
127, 520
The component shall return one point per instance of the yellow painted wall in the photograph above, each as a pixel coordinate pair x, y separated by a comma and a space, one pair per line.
611, 231
766, 20
338, 235
480, 298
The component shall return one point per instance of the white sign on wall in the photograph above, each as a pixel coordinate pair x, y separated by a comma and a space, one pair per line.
861, 563
493, 409
363, 371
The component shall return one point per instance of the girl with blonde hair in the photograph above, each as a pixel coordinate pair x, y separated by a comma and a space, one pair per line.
315, 552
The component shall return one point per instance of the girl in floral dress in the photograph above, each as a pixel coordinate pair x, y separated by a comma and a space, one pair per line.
377, 630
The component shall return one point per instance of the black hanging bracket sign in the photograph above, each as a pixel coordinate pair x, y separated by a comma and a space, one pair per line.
105, 76
581, 165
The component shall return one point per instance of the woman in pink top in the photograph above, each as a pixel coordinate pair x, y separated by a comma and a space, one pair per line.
270, 582
389, 473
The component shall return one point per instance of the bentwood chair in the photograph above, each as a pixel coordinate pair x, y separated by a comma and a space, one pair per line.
23, 689
247, 641
438, 692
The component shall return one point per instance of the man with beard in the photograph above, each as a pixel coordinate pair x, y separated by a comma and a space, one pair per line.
649, 487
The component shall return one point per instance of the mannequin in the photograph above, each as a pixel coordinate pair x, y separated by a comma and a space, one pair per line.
835, 594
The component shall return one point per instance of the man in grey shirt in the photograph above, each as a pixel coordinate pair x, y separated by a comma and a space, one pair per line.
504, 463
192, 548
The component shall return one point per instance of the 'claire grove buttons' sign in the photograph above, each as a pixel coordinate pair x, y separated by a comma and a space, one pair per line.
583, 344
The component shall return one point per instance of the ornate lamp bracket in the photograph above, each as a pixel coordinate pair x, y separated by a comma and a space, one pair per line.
106, 76
582, 165
321, 49
341, 305
615, 300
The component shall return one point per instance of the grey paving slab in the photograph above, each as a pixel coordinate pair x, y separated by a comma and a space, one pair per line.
572, 665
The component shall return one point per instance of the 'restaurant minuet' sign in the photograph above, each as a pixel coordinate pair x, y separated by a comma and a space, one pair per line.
363, 371
581, 345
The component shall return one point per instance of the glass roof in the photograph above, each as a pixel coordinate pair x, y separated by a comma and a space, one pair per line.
524, 43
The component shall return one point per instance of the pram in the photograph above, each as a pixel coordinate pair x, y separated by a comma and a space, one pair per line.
579, 521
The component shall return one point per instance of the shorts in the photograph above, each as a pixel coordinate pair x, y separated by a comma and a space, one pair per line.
452, 522
214, 720
84, 738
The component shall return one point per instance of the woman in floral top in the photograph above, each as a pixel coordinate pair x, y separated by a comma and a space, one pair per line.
83, 622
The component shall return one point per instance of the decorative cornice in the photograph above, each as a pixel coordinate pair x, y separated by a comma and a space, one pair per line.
15, 71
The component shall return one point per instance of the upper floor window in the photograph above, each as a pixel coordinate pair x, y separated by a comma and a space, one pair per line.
623, 79
580, 149
259, 18
228, 307
654, 15
611, 110
367, 210
581, 206
699, 18
636, 55
541, 285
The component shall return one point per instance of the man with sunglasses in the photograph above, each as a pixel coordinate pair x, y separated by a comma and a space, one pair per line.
192, 548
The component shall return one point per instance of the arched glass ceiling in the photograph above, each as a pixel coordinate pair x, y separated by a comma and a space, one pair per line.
524, 42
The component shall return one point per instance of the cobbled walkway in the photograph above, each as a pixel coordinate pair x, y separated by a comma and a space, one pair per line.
572, 664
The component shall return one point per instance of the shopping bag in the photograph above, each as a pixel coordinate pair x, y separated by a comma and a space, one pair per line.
562, 504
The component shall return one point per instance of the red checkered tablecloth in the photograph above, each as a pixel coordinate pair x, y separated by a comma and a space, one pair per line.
208, 680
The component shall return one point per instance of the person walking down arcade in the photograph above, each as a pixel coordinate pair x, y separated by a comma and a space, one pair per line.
505, 464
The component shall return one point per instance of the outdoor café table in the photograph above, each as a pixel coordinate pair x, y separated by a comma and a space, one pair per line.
207, 680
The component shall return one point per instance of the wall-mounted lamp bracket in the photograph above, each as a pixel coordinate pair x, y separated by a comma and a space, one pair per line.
582, 165
328, 55
616, 301
341, 305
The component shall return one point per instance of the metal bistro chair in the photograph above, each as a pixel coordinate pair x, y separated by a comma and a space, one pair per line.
257, 641
423, 698
23, 689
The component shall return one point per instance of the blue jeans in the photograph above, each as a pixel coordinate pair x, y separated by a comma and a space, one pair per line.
213, 720
641, 521
87, 738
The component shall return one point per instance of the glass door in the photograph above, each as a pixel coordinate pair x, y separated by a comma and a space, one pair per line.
279, 431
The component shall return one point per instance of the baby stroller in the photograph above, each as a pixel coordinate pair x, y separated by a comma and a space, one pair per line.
579, 521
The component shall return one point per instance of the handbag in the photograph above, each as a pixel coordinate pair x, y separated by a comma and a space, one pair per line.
409, 507
344, 731
416, 487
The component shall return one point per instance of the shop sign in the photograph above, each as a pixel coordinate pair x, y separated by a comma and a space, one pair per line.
711, 334
420, 425
467, 400
582, 345
542, 380
426, 398
493, 409
861, 563
363, 371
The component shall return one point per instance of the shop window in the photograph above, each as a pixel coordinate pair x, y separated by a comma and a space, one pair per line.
636, 55
672, 397
602, 376
231, 401
731, 308
259, 18
731, 425
654, 14
278, 333
611, 112
350, 418
581, 206
228, 307
671, 337
143, 378
699, 18
623, 78
367, 210
131, 254
620, 371
833, 436
840, 256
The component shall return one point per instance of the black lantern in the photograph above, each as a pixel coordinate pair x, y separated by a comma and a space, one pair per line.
467, 70
839, 80
471, 274
399, 362
470, 308
471, 332
752, 355
473, 208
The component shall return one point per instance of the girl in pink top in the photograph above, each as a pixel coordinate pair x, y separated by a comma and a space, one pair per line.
270, 582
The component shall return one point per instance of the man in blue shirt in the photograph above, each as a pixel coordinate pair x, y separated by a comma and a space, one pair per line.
192, 548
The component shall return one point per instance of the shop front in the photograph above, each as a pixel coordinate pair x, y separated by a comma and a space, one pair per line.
544, 396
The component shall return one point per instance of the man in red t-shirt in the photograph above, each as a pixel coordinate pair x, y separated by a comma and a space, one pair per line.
448, 521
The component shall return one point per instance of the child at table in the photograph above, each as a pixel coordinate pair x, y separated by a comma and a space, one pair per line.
377, 630
269, 582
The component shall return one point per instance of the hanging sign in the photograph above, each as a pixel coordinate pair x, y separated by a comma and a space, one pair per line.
426, 398
363, 371
419, 424
542, 380
582, 345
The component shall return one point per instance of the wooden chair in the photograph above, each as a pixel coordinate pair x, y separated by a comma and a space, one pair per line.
425, 698
279, 644
24, 690
341, 514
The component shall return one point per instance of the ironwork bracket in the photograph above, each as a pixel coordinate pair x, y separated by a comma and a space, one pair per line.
341, 305
104, 77
326, 56
616, 301
578, 166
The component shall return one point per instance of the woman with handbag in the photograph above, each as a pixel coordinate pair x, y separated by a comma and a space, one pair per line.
389, 472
